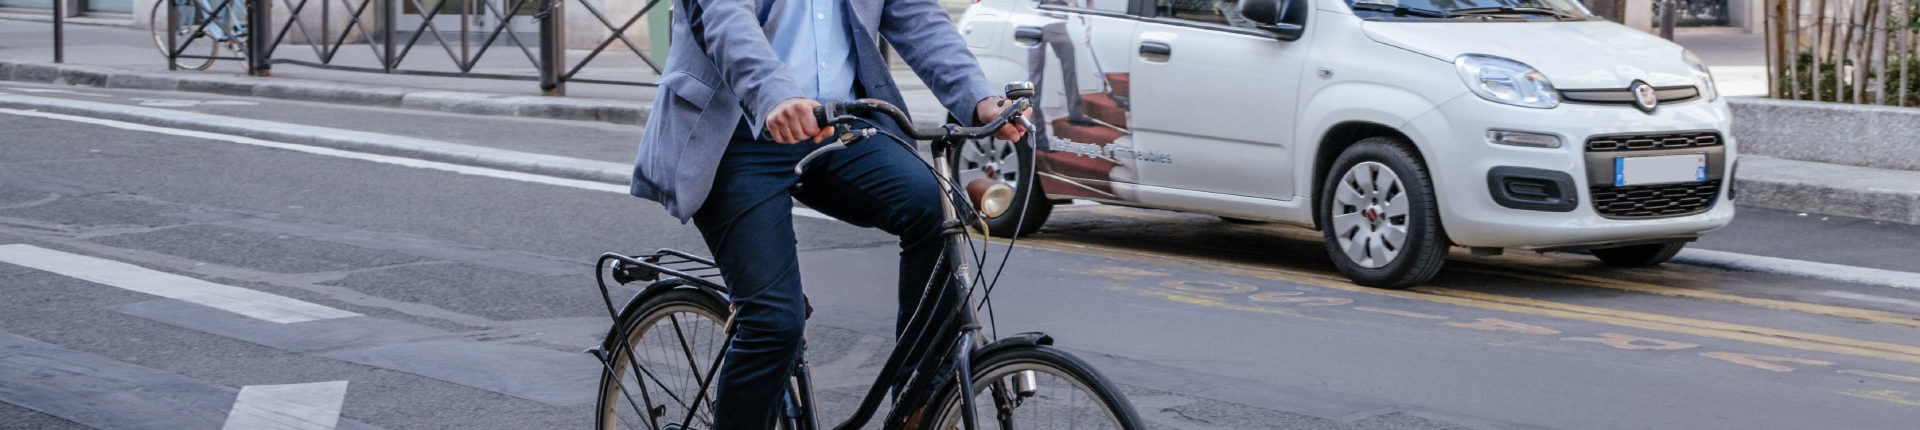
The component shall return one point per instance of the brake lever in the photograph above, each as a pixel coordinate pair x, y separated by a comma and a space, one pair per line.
842, 137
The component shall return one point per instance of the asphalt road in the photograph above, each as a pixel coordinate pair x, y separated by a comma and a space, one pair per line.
459, 300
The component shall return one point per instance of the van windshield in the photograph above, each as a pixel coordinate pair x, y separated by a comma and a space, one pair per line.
1564, 10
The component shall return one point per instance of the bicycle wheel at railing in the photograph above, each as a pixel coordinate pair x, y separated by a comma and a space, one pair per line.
188, 38
653, 378
1047, 389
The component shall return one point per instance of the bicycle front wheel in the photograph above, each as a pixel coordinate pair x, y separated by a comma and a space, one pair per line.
187, 37
1036, 388
655, 374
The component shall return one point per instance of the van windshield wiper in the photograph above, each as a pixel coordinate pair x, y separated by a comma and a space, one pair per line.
1556, 13
1401, 10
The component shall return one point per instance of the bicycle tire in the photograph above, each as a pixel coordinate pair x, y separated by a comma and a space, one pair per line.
1066, 380
676, 359
157, 24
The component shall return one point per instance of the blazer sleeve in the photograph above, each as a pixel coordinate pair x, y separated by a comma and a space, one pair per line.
928, 41
731, 35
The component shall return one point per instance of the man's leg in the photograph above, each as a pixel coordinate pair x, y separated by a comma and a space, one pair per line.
1056, 36
747, 222
1036, 74
878, 183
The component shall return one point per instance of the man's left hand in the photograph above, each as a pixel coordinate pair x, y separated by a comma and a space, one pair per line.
991, 107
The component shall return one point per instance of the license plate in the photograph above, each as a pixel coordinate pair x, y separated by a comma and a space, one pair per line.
1663, 169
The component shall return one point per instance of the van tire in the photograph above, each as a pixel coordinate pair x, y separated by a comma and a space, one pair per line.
1392, 172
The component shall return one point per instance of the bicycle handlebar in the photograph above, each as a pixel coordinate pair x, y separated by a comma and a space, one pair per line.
842, 114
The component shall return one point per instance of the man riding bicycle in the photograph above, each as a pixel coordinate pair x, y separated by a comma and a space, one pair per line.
735, 112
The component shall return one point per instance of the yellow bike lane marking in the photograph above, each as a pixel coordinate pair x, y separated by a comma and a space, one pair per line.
1248, 298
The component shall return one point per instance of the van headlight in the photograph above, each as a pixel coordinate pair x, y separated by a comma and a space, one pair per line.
1701, 74
1506, 81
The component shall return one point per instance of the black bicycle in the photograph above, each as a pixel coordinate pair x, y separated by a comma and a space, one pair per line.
946, 371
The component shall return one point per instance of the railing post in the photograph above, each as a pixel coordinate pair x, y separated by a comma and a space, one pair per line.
553, 47
387, 29
259, 37
59, 31
173, 30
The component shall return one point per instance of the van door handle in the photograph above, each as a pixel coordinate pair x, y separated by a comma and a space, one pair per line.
1028, 34
1156, 50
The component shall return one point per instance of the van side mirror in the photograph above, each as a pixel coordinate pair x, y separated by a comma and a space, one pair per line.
1273, 16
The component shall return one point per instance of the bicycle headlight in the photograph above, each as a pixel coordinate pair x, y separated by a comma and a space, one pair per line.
1700, 73
1505, 81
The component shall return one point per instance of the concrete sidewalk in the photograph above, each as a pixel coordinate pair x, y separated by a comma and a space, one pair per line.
120, 57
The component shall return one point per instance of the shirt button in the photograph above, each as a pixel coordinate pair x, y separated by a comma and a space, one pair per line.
820, 16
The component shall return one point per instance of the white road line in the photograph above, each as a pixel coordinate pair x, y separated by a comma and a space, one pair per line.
399, 161
55, 91
1835, 272
1810, 269
143, 280
313, 406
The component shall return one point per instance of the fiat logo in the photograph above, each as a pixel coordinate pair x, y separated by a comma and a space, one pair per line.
1643, 96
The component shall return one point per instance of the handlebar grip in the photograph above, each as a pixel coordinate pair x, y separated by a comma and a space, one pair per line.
820, 116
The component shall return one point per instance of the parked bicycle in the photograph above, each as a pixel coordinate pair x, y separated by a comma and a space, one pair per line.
203, 26
666, 344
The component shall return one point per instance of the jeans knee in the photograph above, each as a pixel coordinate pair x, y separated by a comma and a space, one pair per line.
777, 325
919, 218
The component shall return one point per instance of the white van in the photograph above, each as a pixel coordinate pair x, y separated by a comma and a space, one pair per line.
1398, 128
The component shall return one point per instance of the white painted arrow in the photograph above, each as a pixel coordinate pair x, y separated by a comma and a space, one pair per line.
313, 406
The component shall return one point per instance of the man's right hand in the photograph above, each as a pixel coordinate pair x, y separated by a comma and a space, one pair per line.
792, 121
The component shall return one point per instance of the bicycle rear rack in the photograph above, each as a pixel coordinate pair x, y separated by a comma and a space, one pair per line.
623, 269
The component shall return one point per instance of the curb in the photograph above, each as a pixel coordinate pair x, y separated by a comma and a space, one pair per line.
609, 111
373, 143
1833, 189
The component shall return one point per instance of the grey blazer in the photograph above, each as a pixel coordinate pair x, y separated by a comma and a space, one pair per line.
721, 67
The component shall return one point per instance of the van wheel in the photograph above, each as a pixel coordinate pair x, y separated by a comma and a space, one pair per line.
1639, 255
976, 164
1379, 217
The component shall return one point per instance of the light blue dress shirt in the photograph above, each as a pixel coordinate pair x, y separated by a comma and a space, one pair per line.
815, 43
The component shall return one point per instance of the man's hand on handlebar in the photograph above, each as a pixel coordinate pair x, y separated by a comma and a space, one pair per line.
792, 121
991, 107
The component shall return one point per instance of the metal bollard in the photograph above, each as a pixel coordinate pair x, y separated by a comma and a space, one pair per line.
59, 31
1668, 18
553, 47
259, 37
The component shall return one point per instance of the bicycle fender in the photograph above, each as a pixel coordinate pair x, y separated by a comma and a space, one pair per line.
1022, 340
654, 289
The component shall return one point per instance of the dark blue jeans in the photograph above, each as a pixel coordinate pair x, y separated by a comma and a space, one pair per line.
747, 222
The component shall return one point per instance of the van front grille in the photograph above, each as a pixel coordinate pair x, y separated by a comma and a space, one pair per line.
1655, 201
1643, 142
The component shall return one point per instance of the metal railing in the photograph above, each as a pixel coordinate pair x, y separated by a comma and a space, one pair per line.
483, 26
1848, 51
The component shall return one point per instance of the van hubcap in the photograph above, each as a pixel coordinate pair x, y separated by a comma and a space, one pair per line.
1370, 214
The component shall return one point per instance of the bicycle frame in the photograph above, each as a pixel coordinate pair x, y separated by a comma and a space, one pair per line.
946, 309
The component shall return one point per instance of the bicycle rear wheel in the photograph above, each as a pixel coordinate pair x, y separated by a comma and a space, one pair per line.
1042, 388
188, 38
654, 375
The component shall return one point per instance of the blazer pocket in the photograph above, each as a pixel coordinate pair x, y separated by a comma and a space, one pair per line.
688, 89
